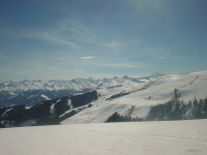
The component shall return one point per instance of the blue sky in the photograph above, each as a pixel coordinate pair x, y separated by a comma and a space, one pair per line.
64, 39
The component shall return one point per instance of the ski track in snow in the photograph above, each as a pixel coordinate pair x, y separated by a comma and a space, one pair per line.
141, 138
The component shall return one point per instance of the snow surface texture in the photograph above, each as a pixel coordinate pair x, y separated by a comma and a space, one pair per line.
140, 138
154, 90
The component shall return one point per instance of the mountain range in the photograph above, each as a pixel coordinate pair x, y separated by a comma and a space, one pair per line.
31, 92
98, 99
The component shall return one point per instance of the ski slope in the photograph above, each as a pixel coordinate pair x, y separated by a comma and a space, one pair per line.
157, 90
141, 138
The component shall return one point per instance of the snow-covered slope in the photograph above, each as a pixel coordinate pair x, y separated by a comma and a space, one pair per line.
146, 138
142, 96
110, 87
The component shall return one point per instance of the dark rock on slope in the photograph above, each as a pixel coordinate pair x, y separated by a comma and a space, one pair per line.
46, 112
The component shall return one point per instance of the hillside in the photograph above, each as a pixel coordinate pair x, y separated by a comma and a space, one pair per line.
153, 91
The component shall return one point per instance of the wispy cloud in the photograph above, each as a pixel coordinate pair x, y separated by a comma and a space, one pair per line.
58, 40
87, 57
70, 32
67, 31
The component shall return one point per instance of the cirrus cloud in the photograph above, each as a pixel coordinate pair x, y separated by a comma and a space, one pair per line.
87, 57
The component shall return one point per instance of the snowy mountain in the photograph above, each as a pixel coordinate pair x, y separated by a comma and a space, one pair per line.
35, 91
139, 98
31, 92
132, 98
76, 84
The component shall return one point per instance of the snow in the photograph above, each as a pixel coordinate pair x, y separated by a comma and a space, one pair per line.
6, 111
45, 97
143, 138
70, 104
159, 90
27, 107
52, 109
58, 100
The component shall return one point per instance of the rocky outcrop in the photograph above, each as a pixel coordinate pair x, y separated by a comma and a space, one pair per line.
80, 99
